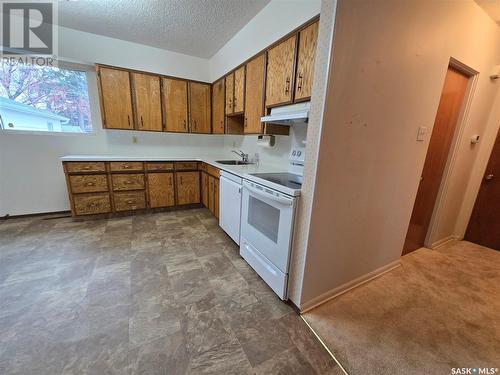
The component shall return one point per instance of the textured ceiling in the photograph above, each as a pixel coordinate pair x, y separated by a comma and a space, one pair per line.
492, 7
194, 27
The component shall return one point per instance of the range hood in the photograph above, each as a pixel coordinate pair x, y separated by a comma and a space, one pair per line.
289, 114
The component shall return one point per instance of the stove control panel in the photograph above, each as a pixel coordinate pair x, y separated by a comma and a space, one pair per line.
297, 155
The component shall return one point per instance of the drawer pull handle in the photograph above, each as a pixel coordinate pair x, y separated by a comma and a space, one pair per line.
90, 184
128, 182
287, 85
130, 201
126, 166
93, 204
87, 167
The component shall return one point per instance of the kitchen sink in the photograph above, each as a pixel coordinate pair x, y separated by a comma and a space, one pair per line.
233, 162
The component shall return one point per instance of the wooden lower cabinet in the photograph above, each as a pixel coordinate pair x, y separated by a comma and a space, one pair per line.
161, 190
188, 187
210, 188
128, 201
204, 188
106, 187
85, 204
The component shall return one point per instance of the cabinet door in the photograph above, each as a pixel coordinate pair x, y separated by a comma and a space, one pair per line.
216, 197
229, 94
218, 107
280, 64
175, 102
200, 103
188, 187
116, 99
204, 189
254, 96
161, 189
211, 194
147, 101
239, 90
305, 62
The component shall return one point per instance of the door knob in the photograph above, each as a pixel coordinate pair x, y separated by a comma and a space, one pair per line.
489, 177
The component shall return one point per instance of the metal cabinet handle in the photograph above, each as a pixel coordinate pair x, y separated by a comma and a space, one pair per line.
130, 201
93, 204
287, 85
128, 119
142, 122
299, 85
246, 121
126, 166
86, 167
489, 177
90, 184
184, 124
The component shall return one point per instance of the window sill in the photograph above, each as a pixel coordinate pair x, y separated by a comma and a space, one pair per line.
49, 133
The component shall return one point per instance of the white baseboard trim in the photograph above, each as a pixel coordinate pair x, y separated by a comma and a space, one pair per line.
335, 292
444, 241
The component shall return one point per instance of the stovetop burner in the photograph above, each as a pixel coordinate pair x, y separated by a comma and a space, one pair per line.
293, 181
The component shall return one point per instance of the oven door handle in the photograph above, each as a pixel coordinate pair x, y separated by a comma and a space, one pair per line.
282, 200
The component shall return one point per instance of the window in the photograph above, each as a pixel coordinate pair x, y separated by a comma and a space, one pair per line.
35, 98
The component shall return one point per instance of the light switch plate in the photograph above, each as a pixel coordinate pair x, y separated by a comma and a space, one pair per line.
422, 133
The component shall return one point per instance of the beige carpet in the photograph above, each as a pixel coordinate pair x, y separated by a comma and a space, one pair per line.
439, 310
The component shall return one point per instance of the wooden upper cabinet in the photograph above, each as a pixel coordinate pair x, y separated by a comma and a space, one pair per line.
218, 106
229, 94
147, 101
239, 90
200, 107
175, 103
188, 187
280, 73
254, 94
116, 100
305, 61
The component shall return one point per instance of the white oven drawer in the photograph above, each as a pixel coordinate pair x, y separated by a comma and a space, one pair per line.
276, 279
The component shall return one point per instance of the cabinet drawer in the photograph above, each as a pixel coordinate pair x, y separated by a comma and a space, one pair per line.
213, 171
120, 166
89, 183
130, 201
186, 166
159, 166
133, 181
92, 204
78, 167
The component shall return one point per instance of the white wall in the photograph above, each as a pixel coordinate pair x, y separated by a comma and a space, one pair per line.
274, 21
389, 63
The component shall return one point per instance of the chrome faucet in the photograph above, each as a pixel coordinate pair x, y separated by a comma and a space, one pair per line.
242, 155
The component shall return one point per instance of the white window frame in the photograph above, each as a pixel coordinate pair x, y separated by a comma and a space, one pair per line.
90, 73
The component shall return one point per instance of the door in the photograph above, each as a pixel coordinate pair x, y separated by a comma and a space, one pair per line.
175, 101
200, 111
204, 188
188, 187
116, 99
239, 90
484, 224
161, 189
452, 96
230, 208
254, 95
147, 102
280, 68
229, 93
218, 105
305, 62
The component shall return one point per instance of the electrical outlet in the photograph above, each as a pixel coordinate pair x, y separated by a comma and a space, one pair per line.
134, 139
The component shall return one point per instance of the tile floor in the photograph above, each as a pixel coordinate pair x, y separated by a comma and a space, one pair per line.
163, 293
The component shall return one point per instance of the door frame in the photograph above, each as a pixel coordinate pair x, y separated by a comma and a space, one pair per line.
462, 122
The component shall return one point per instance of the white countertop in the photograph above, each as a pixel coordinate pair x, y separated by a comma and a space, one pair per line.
243, 171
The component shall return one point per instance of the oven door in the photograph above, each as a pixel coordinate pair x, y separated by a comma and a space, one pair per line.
267, 222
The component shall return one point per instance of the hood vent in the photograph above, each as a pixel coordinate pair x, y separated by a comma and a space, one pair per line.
289, 115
